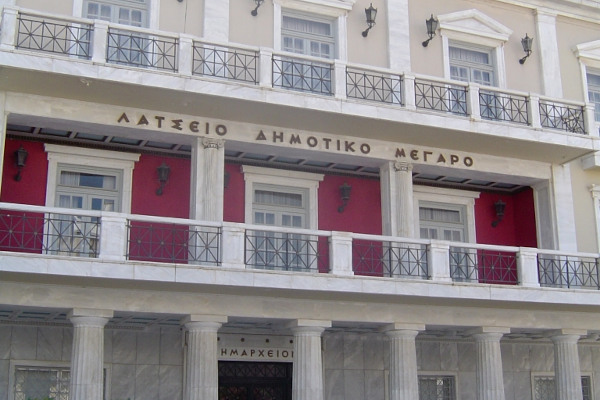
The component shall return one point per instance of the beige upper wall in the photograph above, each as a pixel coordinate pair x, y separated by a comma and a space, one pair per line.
583, 205
249, 30
372, 50
183, 17
64, 7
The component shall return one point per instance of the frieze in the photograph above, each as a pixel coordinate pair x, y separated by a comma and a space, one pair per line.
255, 353
179, 125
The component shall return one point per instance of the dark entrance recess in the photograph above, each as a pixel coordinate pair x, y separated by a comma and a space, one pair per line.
255, 381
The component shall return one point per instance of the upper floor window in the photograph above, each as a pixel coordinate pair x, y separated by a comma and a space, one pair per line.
434, 387
544, 387
126, 12
308, 35
442, 221
472, 65
593, 86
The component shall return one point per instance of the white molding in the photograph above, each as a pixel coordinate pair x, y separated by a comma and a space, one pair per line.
272, 176
332, 8
448, 196
595, 191
90, 158
153, 12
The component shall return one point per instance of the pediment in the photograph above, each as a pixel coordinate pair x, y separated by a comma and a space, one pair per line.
590, 50
474, 22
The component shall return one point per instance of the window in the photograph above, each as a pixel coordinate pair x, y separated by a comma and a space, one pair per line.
593, 85
308, 35
544, 389
41, 383
442, 222
126, 12
472, 65
437, 387
88, 189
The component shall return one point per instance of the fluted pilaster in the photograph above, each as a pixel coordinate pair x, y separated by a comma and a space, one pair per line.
208, 169
202, 374
566, 366
490, 378
397, 199
307, 379
87, 357
404, 381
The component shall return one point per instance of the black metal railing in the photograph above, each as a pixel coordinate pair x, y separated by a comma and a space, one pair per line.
389, 259
498, 106
561, 116
368, 85
568, 272
483, 266
225, 62
54, 36
441, 97
58, 234
286, 251
175, 243
307, 76
141, 50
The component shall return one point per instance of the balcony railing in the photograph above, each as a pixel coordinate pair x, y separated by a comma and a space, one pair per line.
569, 271
113, 237
103, 42
54, 35
389, 258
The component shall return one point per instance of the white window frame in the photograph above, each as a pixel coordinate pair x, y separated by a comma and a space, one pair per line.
425, 195
595, 72
152, 11
92, 158
257, 177
492, 67
330, 9
458, 27
588, 55
307, 37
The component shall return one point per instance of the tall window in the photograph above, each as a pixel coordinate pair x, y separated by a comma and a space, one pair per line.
280, 206
544, 388
88, 189
308, 35
442, 222
126, 12
41, 383
593, 84
472, 65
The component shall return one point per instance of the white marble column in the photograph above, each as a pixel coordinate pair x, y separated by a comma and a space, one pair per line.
566, 364
547, 44
208, 169
87, 357
404, 381
216, 21
201, 357
307, 377
397, 199
398, 34
3, 118
490, 378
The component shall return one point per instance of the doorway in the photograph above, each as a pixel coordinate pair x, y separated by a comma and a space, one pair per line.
255, 381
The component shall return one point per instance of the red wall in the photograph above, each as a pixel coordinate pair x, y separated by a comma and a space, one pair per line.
175, 200
363, 212
233, 203
517, 228
32, 187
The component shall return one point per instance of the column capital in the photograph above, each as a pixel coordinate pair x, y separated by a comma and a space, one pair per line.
309, 326
90, 312
489, 331
211, 143
398, 328
402, 166
566, 334
199, 321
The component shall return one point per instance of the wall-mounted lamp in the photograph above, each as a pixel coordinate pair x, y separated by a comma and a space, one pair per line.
258, 4
432, 25
526, 43
371, 13
345, 190
21, 159
499, 207
163, 176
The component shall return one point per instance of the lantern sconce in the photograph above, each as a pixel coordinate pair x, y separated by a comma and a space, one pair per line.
345, 190
526, 42
21, 159
371, 14
226, 178
499, 207
163, 176
258, 4
432, 25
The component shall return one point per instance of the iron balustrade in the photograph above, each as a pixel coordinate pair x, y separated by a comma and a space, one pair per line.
302, 75
286, 251
138, 49
568, 272
369, 85
175, 243
54, 35
225, 62
389, 259
483, 266
562, 116
498, 106
442, 97
58, 234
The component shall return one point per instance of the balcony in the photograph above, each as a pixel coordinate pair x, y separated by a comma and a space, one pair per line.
184, 56
66, 242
